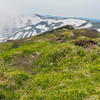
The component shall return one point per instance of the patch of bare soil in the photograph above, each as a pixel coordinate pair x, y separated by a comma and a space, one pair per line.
85, 43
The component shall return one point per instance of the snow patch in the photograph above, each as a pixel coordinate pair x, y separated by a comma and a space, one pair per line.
98, 30
34, 33
29, 34
27, 28
86, 26
18, 35
42, 27
25, 34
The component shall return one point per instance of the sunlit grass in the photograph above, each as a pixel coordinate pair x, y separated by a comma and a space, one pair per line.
45, 69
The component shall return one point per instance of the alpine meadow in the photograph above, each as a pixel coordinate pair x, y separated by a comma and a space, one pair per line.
61, 64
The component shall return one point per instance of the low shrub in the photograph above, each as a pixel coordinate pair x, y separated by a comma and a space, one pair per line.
86, 32
68, 50
7, 58
95, 69
16, 44
93, 56
26, 52
20, 78
81, 52
55, 55
2, 96
69, 27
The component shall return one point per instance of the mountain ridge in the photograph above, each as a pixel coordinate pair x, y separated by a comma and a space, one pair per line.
84, 18
22, 26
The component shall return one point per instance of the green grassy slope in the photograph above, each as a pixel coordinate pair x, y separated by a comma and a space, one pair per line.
50, 67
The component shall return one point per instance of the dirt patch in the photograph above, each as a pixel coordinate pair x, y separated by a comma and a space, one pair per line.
85, 43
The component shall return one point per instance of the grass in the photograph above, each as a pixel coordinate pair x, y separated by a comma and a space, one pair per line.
42, 68
86, 32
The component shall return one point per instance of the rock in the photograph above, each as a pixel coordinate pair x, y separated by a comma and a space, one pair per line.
62, 50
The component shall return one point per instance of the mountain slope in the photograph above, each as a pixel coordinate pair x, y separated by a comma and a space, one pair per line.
51, 66
22, 26
83, 18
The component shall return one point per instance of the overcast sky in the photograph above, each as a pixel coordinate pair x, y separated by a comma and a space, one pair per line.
63, 8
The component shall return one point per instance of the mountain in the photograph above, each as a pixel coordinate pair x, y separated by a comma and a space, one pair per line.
83, 18
22, 26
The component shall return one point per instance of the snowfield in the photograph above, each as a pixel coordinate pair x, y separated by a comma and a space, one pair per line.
21, 26
98, 30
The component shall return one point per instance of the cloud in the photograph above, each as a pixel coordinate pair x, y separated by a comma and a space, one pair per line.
77, 8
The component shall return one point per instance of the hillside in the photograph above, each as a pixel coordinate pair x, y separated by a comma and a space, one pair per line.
22, 26
61, 64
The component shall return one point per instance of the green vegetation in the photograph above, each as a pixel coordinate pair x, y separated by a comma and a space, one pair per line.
86, 32
50, 67
60, 29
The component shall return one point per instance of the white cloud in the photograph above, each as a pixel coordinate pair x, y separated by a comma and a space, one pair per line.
77, 8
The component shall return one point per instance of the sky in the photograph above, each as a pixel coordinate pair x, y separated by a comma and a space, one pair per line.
62, 8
